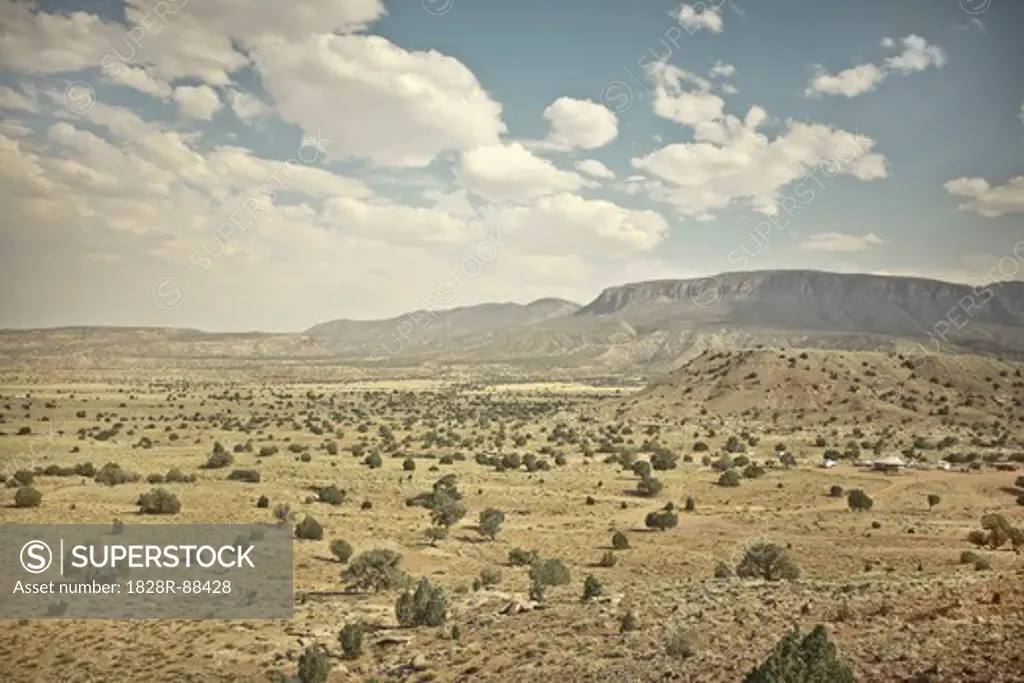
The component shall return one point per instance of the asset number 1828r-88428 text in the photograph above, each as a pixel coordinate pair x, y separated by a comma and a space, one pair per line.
161, 587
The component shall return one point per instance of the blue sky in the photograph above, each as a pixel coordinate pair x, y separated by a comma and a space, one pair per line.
603, 141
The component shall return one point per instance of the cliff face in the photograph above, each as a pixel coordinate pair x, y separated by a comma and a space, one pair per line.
826, 302
644, 326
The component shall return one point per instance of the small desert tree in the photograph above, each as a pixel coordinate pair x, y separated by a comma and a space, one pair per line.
424, 607
158, 502
649, 486
375, 570
767, 561
309, 529
331, 495
547, 573
592, 588
933, 500
809, 659
729, 479
491, 520
342, 550
314, 665
859, 501
351, 639
663, 519
27, 497
447, 511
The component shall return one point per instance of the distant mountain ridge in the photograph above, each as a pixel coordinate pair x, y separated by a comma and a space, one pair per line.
644, 326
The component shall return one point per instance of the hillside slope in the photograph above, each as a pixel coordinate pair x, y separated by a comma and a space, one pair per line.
651, 327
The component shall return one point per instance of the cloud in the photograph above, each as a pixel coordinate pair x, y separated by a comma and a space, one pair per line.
850, 82
377, 101
580, 124
511, 173
722, 69
698, 16
731, 161
987, 200
246, 106
197, 102
13, 100
672, 101
595, 169
841, 242
917, 56
117, 187
567, 223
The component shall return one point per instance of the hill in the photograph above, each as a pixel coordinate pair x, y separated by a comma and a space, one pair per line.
646, 327
807, 388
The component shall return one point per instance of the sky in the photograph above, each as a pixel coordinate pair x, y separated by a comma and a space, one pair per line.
263, 165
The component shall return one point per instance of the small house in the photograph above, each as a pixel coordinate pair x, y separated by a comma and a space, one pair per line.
888, 464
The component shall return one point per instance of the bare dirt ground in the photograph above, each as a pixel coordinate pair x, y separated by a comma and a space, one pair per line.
888, 583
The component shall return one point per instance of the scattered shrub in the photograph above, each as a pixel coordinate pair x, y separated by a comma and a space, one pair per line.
176, 476
309, 529
729, 478
753, 471
111, 474
314, 665
342, 550
522, 558
490, 577
811, 659
491, 520
592, 588
27, 497
767, 561
859, 501
219, 460
620, 541
248, 476
663, 519
331, 495
158, 502
547, 573
425, 607
628, 622
351, 640
375, 570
